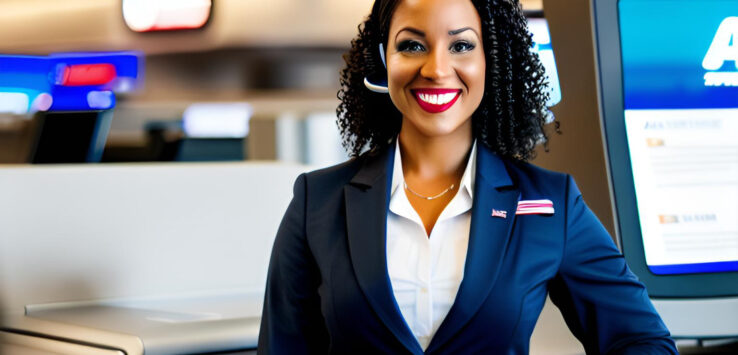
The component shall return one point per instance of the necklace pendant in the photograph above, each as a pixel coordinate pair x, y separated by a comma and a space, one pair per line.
429, 197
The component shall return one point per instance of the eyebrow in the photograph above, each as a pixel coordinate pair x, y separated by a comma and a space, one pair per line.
422, 34
455, 32
412, 30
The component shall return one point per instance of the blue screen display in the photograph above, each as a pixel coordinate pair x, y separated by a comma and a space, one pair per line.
680, 82
36, 83
664, 47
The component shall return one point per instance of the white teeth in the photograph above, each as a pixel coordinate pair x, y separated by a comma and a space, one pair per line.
437, 99
448, 97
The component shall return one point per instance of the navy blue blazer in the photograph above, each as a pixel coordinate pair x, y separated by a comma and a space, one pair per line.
328, 289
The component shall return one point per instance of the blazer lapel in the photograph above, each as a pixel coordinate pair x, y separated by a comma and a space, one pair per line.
366, 220
488, 239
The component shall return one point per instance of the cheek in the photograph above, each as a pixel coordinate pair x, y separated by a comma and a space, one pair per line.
399, 75
473, 73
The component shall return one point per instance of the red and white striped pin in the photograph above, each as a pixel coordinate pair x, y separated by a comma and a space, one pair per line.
535, 207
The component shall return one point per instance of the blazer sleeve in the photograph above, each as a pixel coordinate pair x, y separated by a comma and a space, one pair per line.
604, 304
292, 322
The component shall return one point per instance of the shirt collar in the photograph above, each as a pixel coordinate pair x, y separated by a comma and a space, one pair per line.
467, 179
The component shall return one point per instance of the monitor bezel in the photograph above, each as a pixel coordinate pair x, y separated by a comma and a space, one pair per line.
628, 231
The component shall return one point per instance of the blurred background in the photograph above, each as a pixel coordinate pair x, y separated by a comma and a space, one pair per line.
107, 244
105, 240
269, 65
281, 58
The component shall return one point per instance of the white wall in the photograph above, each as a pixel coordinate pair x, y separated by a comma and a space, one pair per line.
77, 233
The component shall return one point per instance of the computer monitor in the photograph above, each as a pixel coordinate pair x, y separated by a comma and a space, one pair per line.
70, 137
668, 80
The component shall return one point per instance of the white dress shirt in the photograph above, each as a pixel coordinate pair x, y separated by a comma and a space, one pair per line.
426, 271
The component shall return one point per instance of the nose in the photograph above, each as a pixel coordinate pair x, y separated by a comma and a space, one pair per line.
437, 65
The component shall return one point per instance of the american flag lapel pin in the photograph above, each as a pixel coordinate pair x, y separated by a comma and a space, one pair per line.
499, 213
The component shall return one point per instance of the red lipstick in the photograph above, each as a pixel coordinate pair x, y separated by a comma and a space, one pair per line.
436, 100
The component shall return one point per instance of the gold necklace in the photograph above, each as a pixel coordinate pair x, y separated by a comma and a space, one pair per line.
429, 197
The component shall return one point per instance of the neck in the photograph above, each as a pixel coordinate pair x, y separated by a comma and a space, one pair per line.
435, 157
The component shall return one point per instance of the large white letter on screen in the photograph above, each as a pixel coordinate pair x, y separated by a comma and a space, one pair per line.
724, 46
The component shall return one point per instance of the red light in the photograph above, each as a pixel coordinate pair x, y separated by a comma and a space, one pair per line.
88, 74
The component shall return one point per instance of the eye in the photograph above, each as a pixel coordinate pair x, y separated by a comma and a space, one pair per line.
410, 46
461, 47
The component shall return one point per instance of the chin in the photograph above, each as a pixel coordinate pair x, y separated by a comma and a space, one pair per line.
437, 125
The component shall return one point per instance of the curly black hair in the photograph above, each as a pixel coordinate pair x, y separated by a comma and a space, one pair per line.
512, 113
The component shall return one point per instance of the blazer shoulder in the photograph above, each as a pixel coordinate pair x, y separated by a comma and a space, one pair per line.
335, 171
333, 178
534, 179
369, 164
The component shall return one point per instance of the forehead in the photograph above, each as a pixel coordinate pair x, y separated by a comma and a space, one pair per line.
442, 15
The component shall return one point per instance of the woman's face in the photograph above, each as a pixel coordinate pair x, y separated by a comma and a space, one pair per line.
436, 64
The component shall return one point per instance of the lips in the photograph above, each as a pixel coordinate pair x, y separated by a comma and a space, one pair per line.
436, 100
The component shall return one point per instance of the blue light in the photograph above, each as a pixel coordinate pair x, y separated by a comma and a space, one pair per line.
78, 99
24, 73
36, 77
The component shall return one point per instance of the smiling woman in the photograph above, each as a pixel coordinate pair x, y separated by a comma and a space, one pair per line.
510, 115
435, 67
436, 79
438, 237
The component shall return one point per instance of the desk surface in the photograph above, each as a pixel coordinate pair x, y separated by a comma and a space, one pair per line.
551, 337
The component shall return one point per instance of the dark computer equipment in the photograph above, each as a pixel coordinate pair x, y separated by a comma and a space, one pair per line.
215, 131
668, 80
211, 149
70, 137
167, 141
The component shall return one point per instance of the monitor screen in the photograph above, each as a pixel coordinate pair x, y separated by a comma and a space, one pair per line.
669, 110
680, 93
